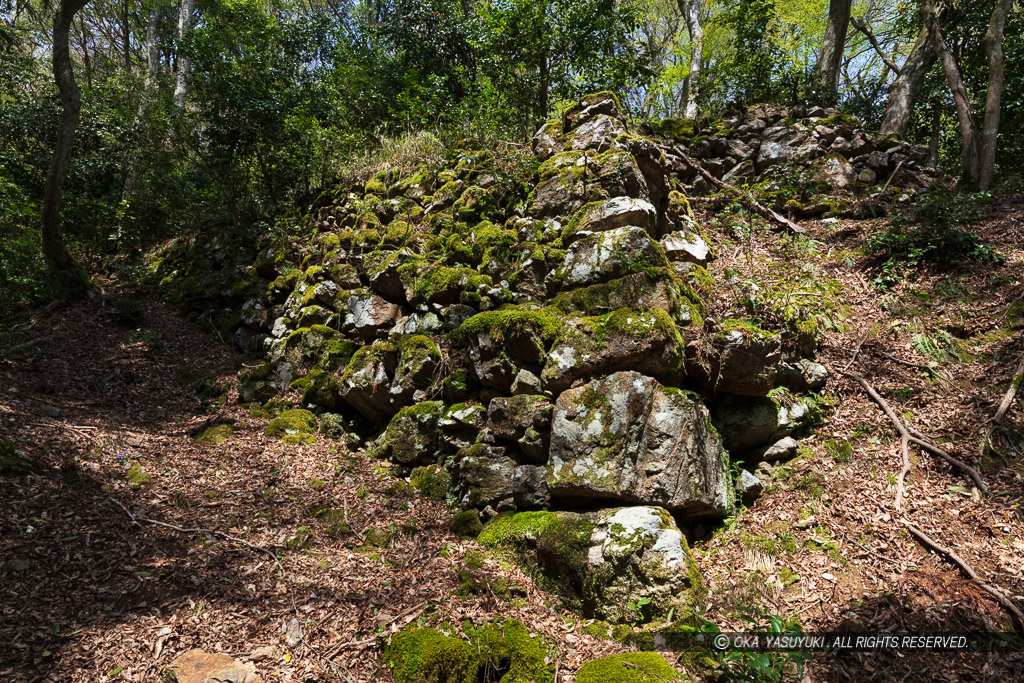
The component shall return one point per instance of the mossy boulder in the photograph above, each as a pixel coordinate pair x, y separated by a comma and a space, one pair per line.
412, 437
600, 562
571, 179
502, 652
648, 289
214, 434
627, 438
608, 214
293, 426
629, 667
605, 256
432, 481
488, 476
501, 342
647, 341
466, 524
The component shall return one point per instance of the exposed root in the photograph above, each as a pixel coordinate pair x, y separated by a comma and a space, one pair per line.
915, 437
928, 542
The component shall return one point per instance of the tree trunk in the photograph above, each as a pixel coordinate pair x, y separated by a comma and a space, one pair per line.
903, 91
934, 139
961, 101
152, 58
993, 43
181, 78
691, 11
830, 57
54, 248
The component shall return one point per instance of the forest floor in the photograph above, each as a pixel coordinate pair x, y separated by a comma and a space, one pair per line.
92, 592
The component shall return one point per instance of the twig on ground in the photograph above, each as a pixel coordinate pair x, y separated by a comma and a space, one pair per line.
967, 569
856, 351
912, 364
1004, 405
758, 207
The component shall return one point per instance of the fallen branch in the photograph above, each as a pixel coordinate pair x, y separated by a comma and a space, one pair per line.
925, 540
915, 437
759, 208
1004, 405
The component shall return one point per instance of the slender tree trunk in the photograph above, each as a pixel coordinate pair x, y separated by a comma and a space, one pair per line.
152, 58
152, 65
961, 101
543, 66
86, 62
126, 37
54, 248
830, 57
184, 63
993, 43
903, 91
935, 137
691, 11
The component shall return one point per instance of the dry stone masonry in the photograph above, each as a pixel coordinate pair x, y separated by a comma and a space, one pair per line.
546, 346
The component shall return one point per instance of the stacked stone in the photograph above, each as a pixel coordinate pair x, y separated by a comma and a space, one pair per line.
548, 347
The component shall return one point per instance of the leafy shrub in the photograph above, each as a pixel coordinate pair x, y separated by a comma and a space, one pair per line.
930, 232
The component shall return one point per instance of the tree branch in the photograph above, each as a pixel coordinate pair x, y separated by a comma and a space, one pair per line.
862, 26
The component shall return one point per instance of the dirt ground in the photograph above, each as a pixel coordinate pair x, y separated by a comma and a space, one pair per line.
92, 593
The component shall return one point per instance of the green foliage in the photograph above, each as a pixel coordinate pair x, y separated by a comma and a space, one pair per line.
929, 232
747, 665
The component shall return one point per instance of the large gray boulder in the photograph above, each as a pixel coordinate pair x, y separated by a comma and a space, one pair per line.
606, 255
628, 339
612, 213
627, 438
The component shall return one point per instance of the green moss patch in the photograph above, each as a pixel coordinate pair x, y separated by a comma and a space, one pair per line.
293, 426
432, 481
466, 524
631, 667
214, 434
495, 653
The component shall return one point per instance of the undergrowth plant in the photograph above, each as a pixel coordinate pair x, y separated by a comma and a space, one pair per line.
929, 231
749, 665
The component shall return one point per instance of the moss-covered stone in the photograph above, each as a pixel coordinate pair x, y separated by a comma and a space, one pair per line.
214, 434
500, 653
466, 524
425, 655
293, 426
432, 481
411, 437
630, 667
599, 562
137, 476
374, 539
